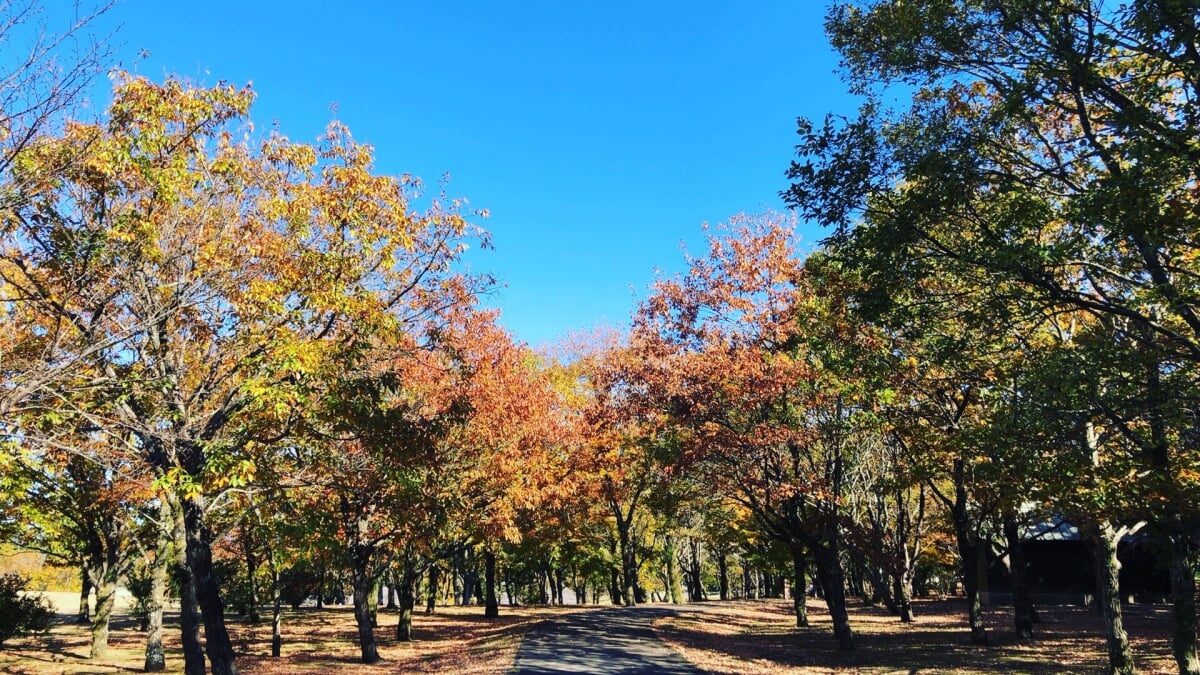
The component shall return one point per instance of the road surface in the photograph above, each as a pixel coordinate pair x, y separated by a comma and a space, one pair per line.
617, 640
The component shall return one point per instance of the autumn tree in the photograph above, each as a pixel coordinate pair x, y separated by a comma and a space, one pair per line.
756, 364
505, 459
43, 81
222, 275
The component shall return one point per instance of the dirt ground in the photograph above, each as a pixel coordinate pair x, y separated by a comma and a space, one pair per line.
734, 637
761, 637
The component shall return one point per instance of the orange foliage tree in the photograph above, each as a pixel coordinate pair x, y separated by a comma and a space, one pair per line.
757, 364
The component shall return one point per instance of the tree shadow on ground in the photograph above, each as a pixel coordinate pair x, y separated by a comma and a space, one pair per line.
1069, 639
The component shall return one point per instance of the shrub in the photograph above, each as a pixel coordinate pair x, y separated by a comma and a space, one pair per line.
20, 614
141, 586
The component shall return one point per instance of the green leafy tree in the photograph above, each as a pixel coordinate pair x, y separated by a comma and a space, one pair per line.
1052, 146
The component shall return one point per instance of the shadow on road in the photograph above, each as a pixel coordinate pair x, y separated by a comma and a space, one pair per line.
617, 640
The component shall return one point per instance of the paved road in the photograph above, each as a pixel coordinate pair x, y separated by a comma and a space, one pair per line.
617, 640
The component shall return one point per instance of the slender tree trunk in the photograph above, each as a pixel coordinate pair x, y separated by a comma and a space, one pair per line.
408, 599
723, 575
321, 587
491, 604
470, 579
799, 595
902, 591
456, 579
508, 590
552, 580
105, 582
276, 614
276, 600
829, 568
970, 552
614, 586
208, 595
1022, 606
85, 592
1183, 594
697, 566
673, 590
156, 659
879, 584
364, 590
391, 590
628, 568
189, 607
561, 576
251, 575
1105, 539
967, 553
431, 598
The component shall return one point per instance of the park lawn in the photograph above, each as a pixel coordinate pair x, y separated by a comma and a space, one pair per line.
760, 637
452, 640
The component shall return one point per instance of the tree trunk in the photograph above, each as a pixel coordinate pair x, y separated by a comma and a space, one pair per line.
695, 583
470, 579
1022, 605
723, 575
1105, 540
902, 591
553, 581
408, 599
321, 586
491, 604
105, 582
156, 659
829, 568
614, 586
561, 576
799, 595
391, 591
970, 555
456, 579
373, 599
1183, 594
85, 592
431, 597
364, 590
508, 590
189, 608
880, 592
673, 590
276, 614
251, 575
628, 567
208, 594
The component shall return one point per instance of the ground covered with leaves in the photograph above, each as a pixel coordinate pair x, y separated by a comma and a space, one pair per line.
761, 637
719, 637
452, 640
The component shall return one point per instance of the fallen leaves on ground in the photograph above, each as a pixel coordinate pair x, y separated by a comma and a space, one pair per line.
760, 637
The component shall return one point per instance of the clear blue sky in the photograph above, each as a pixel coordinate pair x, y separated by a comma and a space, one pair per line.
600, 135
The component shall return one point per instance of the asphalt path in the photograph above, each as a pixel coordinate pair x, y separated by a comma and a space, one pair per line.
617, 640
